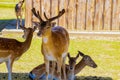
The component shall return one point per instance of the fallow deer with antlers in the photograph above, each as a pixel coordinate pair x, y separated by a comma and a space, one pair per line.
18, 12
55, 42
12, 49
71, 69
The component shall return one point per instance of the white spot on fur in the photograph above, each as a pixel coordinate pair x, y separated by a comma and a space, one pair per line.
3, 59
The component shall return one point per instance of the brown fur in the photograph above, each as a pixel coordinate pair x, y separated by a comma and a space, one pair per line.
14, 48
76, 68
55, 43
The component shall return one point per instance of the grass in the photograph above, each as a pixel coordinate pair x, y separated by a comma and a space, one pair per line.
104, 53
8, 3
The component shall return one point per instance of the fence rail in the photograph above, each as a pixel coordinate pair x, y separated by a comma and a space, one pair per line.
88, 15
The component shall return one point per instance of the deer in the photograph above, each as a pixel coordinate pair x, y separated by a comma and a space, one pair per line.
76, 68
12, 49
18, 12
38, 73
55, 42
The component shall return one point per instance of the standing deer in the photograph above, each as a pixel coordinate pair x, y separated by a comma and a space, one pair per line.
18, 12
55, 42
71, 70
12, 49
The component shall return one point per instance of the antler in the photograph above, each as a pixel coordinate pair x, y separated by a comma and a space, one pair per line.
36, 14
45, 16
81, 54
53, 18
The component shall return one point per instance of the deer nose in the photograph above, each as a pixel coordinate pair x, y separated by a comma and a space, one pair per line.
39, 33
71, 67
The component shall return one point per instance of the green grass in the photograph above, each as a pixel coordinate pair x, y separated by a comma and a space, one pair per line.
9, 0
7, 13
4, 5
105, 53
8, 3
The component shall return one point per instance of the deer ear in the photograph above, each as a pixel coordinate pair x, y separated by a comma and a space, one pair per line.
68, 55
34, 28
77, 56
80, 53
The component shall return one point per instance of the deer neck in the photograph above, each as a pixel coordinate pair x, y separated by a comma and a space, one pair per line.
27, 42
70, 75
46, 36
79, 66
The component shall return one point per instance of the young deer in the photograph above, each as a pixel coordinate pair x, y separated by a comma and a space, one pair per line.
12, 49
86, 61
18, 12
55, 42
71, 70
76, 68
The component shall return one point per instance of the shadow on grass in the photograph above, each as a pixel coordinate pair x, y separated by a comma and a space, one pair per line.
92, 78
8, 24
25, 76
15, 76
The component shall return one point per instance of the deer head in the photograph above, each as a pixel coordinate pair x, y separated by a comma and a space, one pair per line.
72, 61
27, 31
88, 60
20, 3
42, 25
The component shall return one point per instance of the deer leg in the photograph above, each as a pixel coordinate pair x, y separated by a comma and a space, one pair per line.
64, 69
20, 19
59, 65
47, 68
9, 68
53, 69
17, 22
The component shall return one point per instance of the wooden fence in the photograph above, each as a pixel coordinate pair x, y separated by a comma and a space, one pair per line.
81, 15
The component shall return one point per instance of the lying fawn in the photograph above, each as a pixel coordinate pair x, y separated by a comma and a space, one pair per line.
76, 68
86, 61
55, 42
18, 12
71, 70
12, 49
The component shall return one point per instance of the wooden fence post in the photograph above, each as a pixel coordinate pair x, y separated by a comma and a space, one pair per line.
76, 14
93, 18
86, 14
111, 15
28, 13
103, 15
